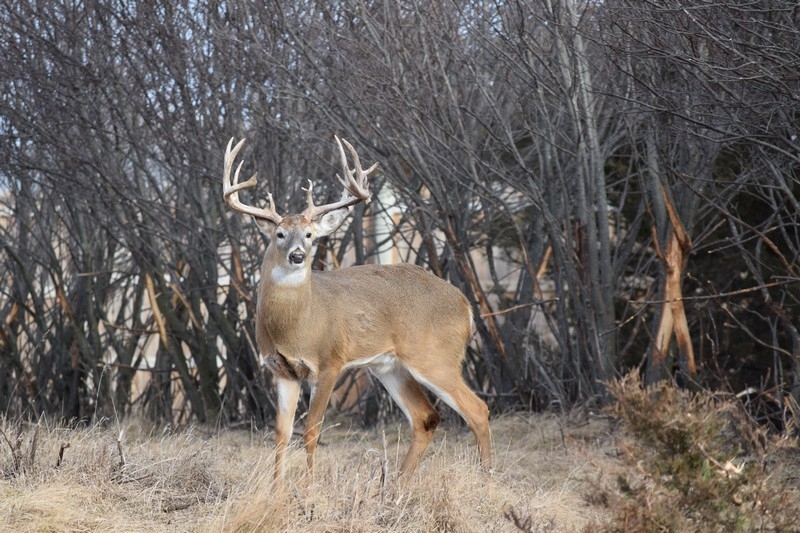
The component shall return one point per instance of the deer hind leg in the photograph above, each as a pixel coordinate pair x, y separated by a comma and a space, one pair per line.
288, 394
412, 399
449, 386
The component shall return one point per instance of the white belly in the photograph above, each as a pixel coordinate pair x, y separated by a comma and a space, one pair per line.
381, 363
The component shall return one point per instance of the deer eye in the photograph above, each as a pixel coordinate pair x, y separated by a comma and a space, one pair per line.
280, 235
308, 235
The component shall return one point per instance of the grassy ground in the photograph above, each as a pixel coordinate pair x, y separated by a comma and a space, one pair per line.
137, 479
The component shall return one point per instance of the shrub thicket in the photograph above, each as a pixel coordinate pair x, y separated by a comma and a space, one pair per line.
699, 462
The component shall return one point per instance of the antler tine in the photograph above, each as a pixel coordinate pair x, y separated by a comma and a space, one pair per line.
230, 189
356, 185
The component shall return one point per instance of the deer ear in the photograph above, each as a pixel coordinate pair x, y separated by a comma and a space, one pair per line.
330, 221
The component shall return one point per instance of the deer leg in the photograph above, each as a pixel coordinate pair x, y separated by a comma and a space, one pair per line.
288, 394
412, 399
449, 386
476, 413
320, 396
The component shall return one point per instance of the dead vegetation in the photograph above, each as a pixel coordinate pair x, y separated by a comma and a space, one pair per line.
699, 461
136, 478
659, 460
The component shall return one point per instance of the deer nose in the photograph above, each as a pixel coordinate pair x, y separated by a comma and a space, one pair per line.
297, 257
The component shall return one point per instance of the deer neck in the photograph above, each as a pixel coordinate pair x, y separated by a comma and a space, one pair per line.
285, 293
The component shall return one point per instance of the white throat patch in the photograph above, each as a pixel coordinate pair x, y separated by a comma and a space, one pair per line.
288, 276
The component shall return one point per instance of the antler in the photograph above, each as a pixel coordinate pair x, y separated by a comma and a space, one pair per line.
230, 191
356, 186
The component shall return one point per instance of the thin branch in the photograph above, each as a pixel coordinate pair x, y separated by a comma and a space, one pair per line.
720, 295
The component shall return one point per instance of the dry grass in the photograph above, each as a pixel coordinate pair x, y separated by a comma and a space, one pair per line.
197, 480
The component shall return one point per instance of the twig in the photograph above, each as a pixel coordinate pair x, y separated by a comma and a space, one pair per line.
121, 452
61, 449
13, 449
8, 441
32, 454
720, 295
17, 453
516, 307
384, 468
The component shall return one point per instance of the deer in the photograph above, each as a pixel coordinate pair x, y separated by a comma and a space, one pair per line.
408, 327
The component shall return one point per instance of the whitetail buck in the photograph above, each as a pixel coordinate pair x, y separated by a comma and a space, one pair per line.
407, 326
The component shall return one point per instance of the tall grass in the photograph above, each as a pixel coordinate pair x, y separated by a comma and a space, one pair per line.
660, 460
138, 478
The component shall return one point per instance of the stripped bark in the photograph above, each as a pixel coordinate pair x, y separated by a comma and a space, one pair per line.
672, 314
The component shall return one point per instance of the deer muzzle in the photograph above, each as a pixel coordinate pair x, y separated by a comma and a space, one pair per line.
297, 257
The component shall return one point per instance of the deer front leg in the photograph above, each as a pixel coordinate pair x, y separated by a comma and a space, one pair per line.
320, 396
288, 394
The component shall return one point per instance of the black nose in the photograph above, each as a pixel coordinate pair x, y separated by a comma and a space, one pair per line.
297, 257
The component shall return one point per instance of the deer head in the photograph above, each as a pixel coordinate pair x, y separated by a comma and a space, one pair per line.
293, 235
